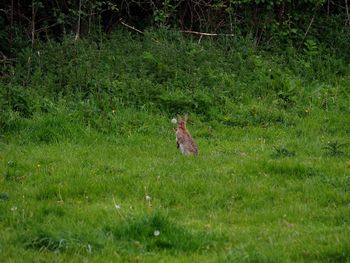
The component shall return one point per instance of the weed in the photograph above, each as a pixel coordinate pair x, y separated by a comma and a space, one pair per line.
282, 151
335, 148
57, 242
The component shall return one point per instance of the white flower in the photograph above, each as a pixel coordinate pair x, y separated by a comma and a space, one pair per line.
148, 198
117, 206
156, 233
174, 121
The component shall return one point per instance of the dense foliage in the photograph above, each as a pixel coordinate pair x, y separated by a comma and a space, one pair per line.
91, 57
271, 22
163, 72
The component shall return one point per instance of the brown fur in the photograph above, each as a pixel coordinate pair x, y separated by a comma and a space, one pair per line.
184, 139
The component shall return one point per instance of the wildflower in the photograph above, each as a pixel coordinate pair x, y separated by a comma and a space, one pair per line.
174, 121
14, 208
117, 206
148, 198
156, 233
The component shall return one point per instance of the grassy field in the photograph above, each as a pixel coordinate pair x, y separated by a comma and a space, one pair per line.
253, 194
94, 175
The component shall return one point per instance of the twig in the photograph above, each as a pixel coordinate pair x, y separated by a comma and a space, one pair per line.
7, 60
204, 33
33, 23
46, 27
130, 27
11, 25
78, 26
347, 12
307, 30
200, 38
328, 7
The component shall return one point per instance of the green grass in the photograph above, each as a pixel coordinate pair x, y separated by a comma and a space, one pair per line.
89, 170
237, 200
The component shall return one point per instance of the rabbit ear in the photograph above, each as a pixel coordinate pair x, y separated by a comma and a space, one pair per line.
186, 117
179, 118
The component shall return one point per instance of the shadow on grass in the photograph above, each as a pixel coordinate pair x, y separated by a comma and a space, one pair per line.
157, 232
295, 170
134, 234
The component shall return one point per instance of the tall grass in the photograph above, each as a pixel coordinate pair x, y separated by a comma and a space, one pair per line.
163, 72
89, 169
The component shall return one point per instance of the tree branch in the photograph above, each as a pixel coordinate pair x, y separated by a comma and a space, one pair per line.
307, 30
130, 27
33, 23
78, 26
347, 12
204, 33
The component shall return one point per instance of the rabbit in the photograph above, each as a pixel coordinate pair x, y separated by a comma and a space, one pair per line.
184, 139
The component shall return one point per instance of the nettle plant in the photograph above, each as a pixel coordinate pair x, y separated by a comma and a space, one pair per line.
163, 14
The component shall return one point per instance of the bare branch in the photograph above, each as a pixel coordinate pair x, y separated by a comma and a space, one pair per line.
33, 23
204, 33
347, 12
78, 26
46, 27
130, 27
307, 30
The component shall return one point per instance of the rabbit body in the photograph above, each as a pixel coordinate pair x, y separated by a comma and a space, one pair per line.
184, 140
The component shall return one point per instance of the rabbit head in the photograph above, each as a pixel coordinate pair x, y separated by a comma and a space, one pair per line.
181, 122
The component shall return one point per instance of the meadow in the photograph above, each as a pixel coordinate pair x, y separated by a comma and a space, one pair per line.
90, 172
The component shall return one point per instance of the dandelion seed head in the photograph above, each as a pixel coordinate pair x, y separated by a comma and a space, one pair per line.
156, 233
174, 121
148, 198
